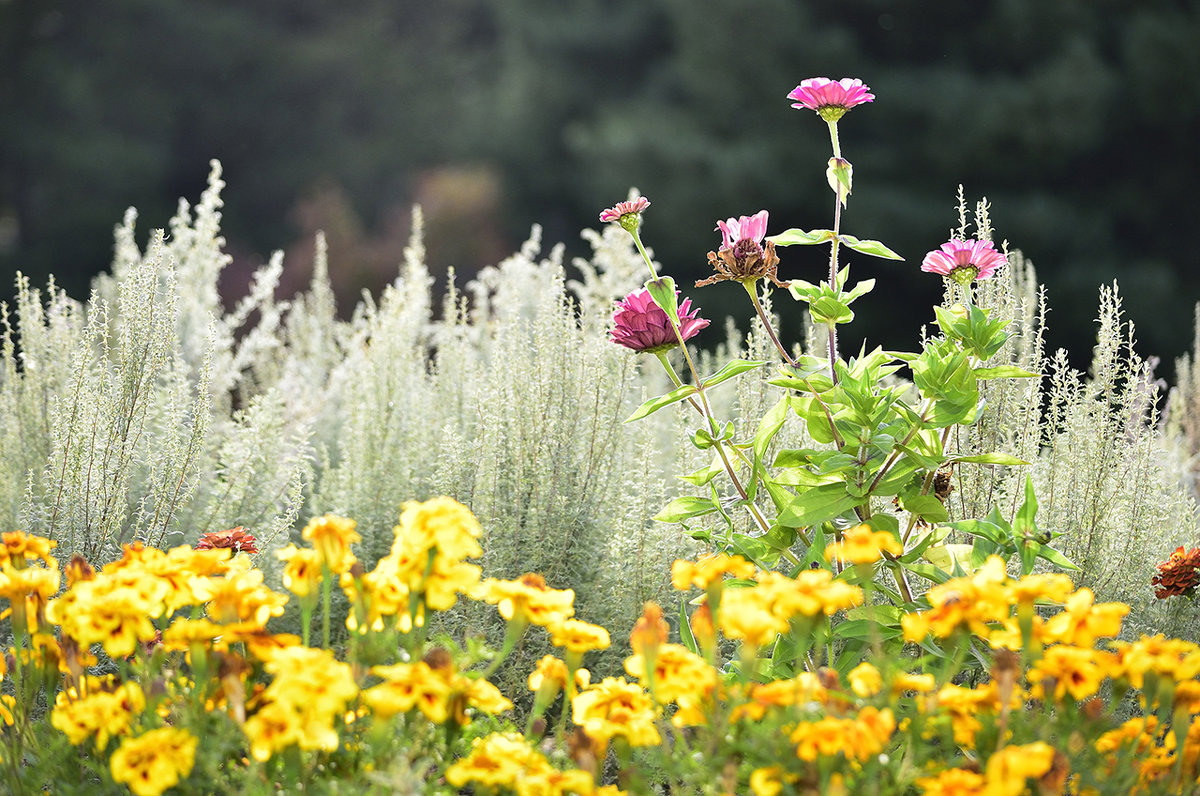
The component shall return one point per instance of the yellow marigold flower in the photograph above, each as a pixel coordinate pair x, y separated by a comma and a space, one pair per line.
409, 686
1082, 621
856, 738
498, 760
311, 685
301, 571
1009, 768
550, 673
442, 523
240, 596
576, 636
112, 609
802, 689
953, 782
811, 593
865, 680
967, 603
1053, 587
861, 545
1078, 671
552, 782
746, 614
101, 713
26, 547
1167, 657
906, 681
273, 728
331, 536
615, 708
28, 589
769, 781
154, 761
449, 578
677, 672
708, 569
528, 599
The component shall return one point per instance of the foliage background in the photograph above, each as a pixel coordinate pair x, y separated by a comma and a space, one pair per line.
1077, 118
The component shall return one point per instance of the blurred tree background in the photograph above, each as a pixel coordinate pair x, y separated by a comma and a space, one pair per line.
1078, 119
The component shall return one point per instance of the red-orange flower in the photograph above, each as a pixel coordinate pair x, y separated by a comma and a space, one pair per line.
1178, 575
238, 539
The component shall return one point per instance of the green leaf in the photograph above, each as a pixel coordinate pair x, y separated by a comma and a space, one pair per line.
926, 506
800, 237
731, 369
866, 630
861, 289
1005, 372
989, 458
682, 508
872, 247
662, 290
1025, 522
1055, 557
703, 475
685, 630
816, 505
928, 571
654, 404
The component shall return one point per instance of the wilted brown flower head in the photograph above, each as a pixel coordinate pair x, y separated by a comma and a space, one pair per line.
238, 539
1178, 575
742, 256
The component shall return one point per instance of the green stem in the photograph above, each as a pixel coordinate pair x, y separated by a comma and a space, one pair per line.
326, 598
637, 241
762, 316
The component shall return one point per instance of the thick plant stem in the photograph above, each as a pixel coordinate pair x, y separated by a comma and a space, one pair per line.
833, 273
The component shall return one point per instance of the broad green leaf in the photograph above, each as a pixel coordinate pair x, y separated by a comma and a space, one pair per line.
816, 505
682, 508
872, 247
798, 236
1005, 372
662, 290
730, 370
927, 506
983, 529
654, 404
989, 458
866, 630
861, 289
703, 475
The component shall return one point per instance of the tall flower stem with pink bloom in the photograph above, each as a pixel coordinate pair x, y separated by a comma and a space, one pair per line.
636, 326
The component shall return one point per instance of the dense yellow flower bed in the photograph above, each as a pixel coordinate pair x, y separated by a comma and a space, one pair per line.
161, 670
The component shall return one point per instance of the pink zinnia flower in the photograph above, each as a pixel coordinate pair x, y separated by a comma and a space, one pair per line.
620, 209
830, 98
964, 260
746, 228
643, 326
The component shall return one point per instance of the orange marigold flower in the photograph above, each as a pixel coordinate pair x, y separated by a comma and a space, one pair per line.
650, 631
856, 738
862, 545
1173, 658
1178, 575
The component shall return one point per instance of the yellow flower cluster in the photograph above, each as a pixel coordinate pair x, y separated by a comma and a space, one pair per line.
505, 760
433, 687
426, 567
